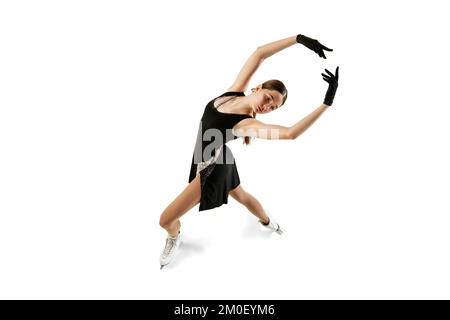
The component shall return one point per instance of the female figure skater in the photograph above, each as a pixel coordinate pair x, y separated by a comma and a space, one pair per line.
213, 174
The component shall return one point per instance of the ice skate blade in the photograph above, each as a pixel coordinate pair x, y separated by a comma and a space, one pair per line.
279, 231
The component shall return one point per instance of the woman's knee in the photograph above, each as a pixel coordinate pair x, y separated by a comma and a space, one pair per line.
186, 200
239, 194
165, 221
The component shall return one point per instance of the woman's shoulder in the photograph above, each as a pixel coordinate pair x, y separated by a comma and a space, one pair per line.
227, 94
232, 93
237, 88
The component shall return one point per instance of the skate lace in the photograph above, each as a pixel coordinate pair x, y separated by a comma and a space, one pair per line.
170, 244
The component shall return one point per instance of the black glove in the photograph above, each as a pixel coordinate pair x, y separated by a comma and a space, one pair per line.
332, 87
312, 44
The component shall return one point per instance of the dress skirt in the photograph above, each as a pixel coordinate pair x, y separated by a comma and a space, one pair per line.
217, 180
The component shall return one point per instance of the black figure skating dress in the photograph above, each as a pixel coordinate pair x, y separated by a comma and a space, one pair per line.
212, 159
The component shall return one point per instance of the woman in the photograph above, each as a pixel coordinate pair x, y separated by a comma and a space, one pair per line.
231, 115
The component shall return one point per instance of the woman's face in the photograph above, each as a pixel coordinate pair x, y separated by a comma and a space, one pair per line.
265, 100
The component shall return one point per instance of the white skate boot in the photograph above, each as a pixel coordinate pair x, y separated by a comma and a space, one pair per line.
170, 249
272, 225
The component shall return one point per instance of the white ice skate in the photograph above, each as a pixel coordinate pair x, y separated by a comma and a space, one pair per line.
170, 249
272, 225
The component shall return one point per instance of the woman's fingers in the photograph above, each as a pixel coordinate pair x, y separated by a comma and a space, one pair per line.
328, 71
321, 47
326, 78
317, 49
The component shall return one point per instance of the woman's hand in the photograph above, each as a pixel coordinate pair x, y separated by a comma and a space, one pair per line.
313, 44
332, 85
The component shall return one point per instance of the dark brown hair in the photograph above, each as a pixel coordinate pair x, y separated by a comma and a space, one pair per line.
272, 85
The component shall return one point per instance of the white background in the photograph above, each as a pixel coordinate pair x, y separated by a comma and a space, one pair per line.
99, 107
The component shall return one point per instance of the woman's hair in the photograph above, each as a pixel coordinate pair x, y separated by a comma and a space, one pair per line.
272, 85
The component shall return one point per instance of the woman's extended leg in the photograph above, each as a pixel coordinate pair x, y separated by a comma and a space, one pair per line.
252, 204
187, 199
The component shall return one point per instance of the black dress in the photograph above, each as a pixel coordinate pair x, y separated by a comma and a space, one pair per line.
212, 159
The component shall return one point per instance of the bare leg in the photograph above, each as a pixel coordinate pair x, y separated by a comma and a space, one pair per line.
186, 200
252, 204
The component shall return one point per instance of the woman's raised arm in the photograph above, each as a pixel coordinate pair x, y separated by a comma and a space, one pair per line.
257, 129
274, 47
254, 128
262, 52
269, 49
254, 61
247, 71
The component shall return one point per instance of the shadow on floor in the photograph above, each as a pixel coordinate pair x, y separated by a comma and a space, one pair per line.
253, 229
